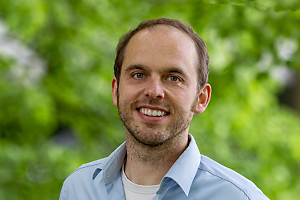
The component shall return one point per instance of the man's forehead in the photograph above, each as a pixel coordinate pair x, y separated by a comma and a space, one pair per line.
160, 28
159, 34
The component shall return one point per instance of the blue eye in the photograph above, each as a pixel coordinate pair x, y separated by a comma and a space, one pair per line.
138, 75
173, 78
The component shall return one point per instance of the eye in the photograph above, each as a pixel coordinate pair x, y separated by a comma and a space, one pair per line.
138, 75
174, 78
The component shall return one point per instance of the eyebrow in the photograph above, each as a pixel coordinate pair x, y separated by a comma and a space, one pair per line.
174, 70
165, 71
137, 66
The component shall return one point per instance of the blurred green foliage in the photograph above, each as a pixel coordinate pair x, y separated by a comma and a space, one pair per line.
244, 127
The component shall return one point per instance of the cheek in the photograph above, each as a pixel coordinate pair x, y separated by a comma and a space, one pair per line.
128, 94
183, 97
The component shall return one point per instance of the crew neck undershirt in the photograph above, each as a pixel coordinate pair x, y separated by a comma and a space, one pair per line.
134, 191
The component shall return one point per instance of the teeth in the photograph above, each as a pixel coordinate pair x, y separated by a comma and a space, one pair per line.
159, 113
152, 113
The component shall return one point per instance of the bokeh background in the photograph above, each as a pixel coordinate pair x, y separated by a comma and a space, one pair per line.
56, 66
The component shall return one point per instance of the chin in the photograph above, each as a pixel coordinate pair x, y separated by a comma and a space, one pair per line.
152, 139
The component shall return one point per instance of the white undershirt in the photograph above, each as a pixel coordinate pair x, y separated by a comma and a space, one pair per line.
140, 192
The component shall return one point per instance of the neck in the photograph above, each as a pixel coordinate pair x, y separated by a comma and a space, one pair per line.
147, 165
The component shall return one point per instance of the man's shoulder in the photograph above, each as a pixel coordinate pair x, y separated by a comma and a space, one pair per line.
216, 173
88, 170
217, 170
93, 165
79, 183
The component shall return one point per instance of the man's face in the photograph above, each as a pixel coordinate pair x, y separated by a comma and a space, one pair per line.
157, 95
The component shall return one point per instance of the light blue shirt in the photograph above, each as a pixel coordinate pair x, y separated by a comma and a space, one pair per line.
193, 176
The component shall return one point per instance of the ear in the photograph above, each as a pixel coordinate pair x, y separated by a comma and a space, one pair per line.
203, 99
114, 91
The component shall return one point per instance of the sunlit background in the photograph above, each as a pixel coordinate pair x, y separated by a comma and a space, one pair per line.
56, 64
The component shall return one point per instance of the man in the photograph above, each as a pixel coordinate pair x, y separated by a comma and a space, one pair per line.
161, 73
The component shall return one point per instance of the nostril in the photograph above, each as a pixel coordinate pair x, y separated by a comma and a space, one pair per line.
154, 90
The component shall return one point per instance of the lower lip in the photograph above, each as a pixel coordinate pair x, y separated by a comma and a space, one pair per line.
149, 118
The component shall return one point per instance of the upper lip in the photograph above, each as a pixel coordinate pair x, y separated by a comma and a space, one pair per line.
152, 108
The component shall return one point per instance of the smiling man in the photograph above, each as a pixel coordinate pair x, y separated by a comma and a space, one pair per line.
161, 73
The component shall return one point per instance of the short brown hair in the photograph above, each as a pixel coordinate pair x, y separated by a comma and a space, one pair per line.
199, 43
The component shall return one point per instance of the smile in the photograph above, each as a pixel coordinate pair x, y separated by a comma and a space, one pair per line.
152, 113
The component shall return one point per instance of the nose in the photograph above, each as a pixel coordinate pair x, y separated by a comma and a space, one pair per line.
154, 89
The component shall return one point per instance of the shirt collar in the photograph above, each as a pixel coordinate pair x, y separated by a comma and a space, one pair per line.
185, 168
181, 172
114, 164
